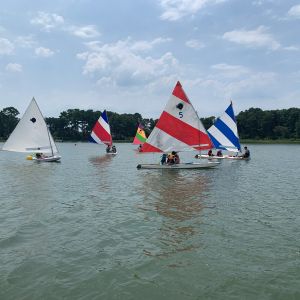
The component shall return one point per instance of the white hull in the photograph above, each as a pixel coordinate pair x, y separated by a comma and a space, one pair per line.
222, 157
47, 159
179, 166
111, 153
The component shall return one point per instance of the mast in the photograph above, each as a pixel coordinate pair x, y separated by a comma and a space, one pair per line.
49, 139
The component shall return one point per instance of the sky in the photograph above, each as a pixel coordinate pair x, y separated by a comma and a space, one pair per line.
127, 55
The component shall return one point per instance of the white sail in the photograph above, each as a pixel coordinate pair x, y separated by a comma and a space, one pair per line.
31, 134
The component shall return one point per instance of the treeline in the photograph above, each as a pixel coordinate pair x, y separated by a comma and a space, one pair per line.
76, 124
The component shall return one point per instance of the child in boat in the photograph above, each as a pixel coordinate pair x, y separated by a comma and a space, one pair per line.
246, 153
176, 158
39, 155
108, 149
219, 153
170, 158
113, 149
163, 159
210, 153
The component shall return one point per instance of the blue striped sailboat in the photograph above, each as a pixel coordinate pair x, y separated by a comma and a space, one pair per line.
223, 133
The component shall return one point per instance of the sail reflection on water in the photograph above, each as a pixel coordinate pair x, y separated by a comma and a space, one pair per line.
178, 198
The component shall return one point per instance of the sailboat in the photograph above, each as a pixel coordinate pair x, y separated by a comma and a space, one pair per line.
224, 135
32, 135
140, 137
101, 134
178, 129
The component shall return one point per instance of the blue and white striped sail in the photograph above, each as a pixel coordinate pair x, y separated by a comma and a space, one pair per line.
223, 133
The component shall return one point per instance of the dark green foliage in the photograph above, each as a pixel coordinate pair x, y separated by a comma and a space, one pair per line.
255, 123
8, 121
76, 124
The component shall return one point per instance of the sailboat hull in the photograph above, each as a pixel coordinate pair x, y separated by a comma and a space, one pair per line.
179, 166
111, 153
221, 157
46, 159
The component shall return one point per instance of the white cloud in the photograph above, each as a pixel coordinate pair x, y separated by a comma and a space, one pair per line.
252, 38
13, 67
47, 21
146, 45
89, 31
44, 52
124, 62
195, 44
6, 47
177, 9
25, 41
231, 71
294, 11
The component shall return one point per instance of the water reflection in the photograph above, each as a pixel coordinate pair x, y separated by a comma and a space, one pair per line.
178, 198
102, 161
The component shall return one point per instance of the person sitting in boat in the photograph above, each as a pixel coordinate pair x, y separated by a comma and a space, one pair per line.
163, 159
140, 148
39, 155
108, 149
219, 153
246, 153
113, 149
176, 158
210, 153
171, 158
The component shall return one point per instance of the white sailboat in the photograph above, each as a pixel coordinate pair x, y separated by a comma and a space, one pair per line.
32, 135
178, 129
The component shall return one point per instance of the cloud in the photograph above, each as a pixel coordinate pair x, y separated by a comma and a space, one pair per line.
252, 38
44, 52
13, 67
231, 71
25, 41
194, 44
176, 9
294, 11
47, 21
6, 47
125, 62
89, 31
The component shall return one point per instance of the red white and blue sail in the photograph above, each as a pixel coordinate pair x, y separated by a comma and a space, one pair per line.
224, 133
178, 128
101, 131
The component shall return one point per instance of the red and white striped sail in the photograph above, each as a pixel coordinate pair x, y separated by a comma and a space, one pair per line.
178, 128
101, 131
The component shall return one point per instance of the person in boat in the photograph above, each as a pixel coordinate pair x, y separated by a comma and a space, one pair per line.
210, 153
176, 158
39, 155
171, 158
140, 148
246, 152
163, 159
113, 149
219, 153
108, 149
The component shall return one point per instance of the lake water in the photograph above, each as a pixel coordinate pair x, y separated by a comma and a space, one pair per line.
95, 227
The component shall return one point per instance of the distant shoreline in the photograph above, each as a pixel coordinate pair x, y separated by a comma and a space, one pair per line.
243, 141
281, 141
